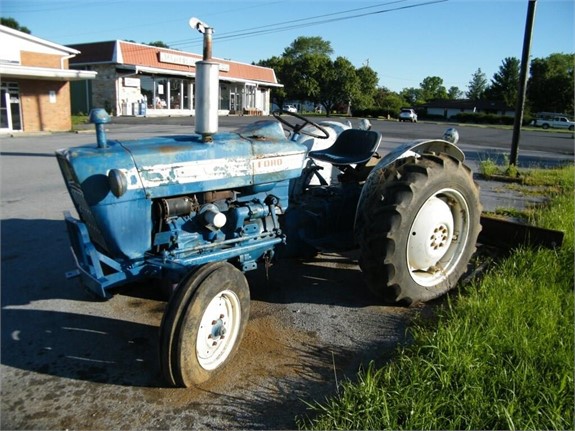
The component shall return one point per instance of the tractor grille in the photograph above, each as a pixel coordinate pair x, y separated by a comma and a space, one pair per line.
80, 203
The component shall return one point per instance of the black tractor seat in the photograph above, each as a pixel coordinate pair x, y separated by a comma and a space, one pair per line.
352, 147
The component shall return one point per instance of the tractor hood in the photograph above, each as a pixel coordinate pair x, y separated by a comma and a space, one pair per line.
257, 154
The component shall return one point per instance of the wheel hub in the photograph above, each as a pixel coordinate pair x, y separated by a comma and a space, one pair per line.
430, 235
218, 329
214, 343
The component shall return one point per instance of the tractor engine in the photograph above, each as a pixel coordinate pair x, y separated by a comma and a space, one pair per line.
213, 221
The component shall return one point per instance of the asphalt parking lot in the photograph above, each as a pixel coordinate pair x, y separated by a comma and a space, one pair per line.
71, 362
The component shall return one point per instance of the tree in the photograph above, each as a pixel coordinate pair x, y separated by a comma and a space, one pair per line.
12, 23
307, 72
550, 85
388, 100
313, 45
297, 69
157, 43
477, 86
411, 95
505, 83
432, 88
338, 84
367, 87
454, 93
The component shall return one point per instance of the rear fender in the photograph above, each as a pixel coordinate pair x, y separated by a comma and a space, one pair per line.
409, 149
420, 146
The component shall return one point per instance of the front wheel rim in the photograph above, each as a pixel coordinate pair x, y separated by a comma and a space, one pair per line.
218, 330
438, 237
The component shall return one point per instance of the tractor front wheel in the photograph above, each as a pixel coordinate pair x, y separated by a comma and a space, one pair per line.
417, 225
203, 324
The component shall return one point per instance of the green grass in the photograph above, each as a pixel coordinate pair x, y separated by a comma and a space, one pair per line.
79, 120
498, 355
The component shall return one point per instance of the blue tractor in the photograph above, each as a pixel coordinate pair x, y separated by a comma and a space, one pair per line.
196, 212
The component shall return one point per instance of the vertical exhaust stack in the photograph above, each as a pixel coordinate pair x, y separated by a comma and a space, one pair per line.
207, 85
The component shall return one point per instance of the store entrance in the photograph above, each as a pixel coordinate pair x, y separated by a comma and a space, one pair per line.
10, 113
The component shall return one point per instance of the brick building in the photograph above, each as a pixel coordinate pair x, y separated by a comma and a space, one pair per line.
137, 79
35, 83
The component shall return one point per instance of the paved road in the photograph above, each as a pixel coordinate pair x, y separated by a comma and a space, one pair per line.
536, 147
71, 362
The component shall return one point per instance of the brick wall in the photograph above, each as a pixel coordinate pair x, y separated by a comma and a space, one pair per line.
104, 88
37, 59
42, 113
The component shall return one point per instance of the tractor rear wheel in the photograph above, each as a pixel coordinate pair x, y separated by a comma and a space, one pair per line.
417, 225
203, 324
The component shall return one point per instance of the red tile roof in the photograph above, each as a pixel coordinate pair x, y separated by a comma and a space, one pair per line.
135, 54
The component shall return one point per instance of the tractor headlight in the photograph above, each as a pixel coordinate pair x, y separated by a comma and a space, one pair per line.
118, 182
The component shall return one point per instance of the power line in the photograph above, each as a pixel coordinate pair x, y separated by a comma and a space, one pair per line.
286, 26
236, 32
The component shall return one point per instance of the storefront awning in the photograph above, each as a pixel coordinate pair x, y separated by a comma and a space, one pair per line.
167, 73
156, 71
50, 74
244, 81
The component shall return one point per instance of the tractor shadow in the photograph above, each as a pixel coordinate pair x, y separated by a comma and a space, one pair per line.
50, 325
327, 278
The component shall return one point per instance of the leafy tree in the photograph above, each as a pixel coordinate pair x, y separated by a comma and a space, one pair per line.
411, 95
550, 86
429, 89
305, 76
158, 43
297, 69
338, 84
307, 72
454, 93
477, 86
367, 87
388, 100
432, 88
303, 45
505, 83
12, 23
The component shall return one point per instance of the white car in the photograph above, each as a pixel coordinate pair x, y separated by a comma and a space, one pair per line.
289, 108
408, 115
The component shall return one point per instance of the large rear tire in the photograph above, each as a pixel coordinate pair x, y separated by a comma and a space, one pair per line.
417, 225
203, 324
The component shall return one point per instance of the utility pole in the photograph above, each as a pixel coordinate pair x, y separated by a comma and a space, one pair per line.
522, 82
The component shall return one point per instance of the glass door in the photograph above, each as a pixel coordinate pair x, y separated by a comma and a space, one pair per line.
10, 113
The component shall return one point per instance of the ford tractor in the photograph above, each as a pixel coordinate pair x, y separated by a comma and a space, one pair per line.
195, 212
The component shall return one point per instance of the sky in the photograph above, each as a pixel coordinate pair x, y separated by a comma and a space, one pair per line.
404, 41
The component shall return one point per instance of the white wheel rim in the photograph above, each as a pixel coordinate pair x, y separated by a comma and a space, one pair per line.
438, 237
218, 330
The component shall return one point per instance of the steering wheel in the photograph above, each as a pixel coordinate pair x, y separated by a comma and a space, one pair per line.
298, 128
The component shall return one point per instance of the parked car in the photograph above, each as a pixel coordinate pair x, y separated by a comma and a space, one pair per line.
289, 108
408, 115
558, 122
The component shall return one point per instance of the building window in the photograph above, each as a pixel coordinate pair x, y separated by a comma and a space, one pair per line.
250, 96
164, 93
